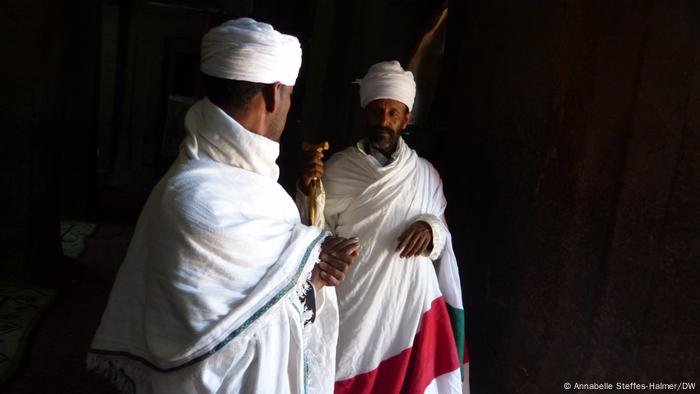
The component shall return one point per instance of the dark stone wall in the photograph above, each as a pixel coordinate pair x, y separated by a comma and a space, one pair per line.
46, 111
572, 169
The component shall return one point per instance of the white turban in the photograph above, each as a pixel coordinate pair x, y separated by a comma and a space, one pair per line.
387, 80
246, 50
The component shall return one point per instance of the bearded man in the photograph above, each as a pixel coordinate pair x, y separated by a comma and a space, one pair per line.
401, 314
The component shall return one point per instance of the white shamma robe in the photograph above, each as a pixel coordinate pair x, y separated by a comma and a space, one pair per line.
207, 298
401, 319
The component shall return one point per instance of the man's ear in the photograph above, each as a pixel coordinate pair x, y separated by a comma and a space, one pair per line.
272, 93
407, 120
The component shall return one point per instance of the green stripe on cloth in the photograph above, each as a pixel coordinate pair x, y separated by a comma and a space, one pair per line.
457, 320
235, 332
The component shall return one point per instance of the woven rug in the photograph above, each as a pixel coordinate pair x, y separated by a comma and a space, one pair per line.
20, 309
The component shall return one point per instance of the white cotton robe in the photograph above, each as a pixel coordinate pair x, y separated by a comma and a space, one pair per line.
401, 320
207, 298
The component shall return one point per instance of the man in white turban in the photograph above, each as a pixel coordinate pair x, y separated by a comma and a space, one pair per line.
401, 314
221, 290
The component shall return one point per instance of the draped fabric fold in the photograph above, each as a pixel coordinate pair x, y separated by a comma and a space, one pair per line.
206, 299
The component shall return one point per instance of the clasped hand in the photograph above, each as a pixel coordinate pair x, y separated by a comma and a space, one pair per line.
337, 253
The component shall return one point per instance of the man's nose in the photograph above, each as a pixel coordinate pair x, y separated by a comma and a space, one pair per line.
385, 119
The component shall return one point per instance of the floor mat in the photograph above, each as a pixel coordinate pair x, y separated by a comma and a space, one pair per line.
20, 309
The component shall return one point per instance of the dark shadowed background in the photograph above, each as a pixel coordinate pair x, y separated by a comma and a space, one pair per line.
567, 134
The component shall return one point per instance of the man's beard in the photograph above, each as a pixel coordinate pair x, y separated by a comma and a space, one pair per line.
382, 138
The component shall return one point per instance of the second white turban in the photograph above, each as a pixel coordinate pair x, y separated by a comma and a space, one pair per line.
387, 80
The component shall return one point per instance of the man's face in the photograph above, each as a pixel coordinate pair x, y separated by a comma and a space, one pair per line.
386, 119
281, 116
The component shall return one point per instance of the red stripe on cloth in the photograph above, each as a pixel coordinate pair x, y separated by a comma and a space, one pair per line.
466, 353
434, 352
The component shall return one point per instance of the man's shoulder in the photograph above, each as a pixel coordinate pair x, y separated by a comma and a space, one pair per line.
345, 154
426, 163
213, 176
342, 158
203, 205
428, 166
210, 188
195, 178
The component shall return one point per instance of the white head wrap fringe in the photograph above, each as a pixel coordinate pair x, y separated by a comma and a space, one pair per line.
387, 80
246, 50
